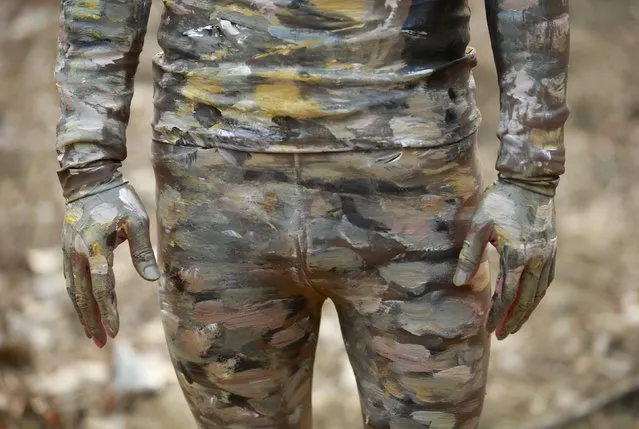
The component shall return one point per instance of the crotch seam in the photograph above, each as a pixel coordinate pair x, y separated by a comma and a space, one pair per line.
301, 235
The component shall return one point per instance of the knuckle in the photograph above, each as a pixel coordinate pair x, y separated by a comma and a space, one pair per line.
524, 307
98, 264
143, 253
515, 258
509, 293
83, 303
466, 253
101, 296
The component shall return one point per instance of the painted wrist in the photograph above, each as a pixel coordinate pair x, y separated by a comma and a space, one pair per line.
532, 162
540, 187
78, 183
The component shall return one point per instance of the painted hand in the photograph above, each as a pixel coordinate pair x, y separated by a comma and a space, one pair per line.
521, 225
93, 227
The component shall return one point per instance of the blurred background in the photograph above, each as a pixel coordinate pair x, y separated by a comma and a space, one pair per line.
574, 365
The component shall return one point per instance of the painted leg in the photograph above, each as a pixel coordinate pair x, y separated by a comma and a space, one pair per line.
421, 359
383, 245
241, 331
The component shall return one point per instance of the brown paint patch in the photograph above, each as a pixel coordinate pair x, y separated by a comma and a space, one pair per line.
253, 383
298, 387
291, 334
270, 315
407, 357
270, 202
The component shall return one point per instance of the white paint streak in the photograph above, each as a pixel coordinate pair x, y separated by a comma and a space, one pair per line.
198, 32
130, 200
228, 28
104, 213
435, 419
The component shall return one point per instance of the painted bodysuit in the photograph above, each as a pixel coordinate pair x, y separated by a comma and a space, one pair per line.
314, 149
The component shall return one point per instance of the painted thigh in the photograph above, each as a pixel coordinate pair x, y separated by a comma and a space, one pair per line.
240, 330
417, 343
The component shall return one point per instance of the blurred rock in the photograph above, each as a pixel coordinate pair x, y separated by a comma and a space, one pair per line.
73, 380
45, 261
139, 372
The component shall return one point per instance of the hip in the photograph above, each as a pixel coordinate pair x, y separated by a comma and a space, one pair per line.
370, 206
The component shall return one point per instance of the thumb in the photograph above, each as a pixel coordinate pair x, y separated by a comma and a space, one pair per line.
142, 251
470, 256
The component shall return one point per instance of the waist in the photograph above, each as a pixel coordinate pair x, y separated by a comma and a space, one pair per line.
311, 109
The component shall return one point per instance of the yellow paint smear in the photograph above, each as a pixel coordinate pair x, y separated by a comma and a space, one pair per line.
287, 74
285, 99
71, 219
546, 139
355, 9
463, 182
288, 49
85, 16
91, 4
198, 87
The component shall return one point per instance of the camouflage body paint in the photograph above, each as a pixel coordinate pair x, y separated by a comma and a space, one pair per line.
531, 40
308, 149
252, 244
267, 76
311, 76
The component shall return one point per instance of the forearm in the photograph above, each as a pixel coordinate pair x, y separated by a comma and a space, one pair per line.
530, 40
98, 53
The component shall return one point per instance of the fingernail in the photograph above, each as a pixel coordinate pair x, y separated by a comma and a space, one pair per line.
461, 277
113, 327
112, 331
151, 272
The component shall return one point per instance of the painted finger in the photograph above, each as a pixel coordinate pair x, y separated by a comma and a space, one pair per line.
546, 277
471, 254
540, 293
507, 288
84, 298
523, 306
142, 251
68, 276
103, 288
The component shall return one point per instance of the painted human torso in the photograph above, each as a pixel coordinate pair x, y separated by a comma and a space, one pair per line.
318, 75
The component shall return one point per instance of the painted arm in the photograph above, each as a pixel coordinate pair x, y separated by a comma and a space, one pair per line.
98, 53
530, 40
